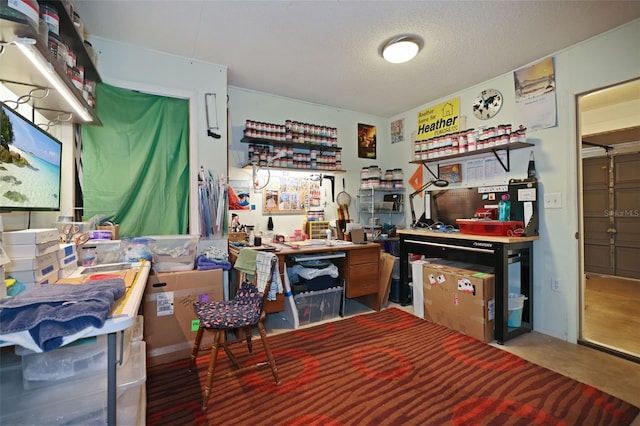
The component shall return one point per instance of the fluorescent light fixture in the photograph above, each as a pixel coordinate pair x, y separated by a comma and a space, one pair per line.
401, 49
46, 69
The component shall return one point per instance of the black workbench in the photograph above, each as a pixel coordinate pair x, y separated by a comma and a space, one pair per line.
496, 252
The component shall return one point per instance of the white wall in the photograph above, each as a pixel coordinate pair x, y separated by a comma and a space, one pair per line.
250, 105
148, 71
601, 61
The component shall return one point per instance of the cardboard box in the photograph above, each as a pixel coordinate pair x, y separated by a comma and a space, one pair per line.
35, 275
31, 236
66, 271
170, 323
71, 260
66, 250
31, 250
50, 278
461, 299
39, 263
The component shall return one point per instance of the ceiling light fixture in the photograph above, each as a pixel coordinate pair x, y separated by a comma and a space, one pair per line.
401, 49
46, 69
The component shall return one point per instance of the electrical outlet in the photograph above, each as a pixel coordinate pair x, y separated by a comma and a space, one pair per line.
555, 284
553, 200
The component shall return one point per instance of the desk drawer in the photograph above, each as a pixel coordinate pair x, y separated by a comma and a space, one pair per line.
363, 279
369, 255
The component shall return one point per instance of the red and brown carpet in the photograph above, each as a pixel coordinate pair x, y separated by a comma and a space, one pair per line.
383, 368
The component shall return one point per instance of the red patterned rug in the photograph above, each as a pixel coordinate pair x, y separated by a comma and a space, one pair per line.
383, 368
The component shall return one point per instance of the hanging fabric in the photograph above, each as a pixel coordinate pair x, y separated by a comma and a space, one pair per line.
136, 165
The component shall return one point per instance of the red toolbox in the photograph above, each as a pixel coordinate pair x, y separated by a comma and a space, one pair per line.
496, 228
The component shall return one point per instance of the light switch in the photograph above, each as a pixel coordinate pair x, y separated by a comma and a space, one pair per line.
553, 200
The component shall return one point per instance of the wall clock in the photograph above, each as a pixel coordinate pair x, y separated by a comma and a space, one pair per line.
487, 104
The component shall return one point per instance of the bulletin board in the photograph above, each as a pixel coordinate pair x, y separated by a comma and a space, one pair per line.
289, 195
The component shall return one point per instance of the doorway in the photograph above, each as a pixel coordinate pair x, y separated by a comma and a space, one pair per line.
610, 218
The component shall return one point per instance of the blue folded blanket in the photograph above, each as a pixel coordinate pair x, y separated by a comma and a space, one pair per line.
203, 263
50, 312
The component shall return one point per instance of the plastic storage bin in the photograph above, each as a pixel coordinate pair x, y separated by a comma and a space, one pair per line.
135, 249
82, 358
107, 251
137, 329
82, 401
174, 252
319, 305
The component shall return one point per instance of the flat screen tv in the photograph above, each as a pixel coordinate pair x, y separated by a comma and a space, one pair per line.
30, 165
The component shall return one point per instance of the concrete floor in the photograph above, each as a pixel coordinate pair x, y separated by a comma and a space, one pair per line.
611, 374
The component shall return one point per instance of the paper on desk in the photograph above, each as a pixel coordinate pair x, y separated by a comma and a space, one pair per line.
528, 211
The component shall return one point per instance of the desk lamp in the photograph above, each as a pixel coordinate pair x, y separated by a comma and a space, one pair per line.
256, 169
441, 183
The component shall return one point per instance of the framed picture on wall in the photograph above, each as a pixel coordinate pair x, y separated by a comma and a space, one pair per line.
452, 173
397, 131
366, 141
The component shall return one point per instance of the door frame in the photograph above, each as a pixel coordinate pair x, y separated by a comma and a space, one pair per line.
581, 236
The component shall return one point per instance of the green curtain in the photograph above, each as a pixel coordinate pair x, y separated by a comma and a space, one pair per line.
136, 165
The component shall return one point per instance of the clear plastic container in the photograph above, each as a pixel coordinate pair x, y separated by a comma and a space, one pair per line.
135, 249
314, 306
174, 252
78, 401
82, 358
108, 251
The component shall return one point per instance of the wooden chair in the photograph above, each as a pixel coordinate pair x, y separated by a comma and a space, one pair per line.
241, 314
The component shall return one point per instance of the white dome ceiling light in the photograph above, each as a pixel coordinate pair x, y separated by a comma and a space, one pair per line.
401, 49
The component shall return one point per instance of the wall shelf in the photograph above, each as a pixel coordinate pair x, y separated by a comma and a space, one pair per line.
270, 142
19, 75
494, 150
306, 148
295, 169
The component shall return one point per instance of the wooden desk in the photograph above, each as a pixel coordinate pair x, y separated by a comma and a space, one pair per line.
497, 252
359, 269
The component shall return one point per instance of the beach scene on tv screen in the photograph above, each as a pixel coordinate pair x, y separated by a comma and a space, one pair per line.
29, 166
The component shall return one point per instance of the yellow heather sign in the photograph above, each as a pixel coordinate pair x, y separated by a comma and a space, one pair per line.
439, 119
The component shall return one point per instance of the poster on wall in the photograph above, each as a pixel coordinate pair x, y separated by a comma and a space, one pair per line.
535, 88
286, 194
439, 119
397, 131
315, 194
366, 141
239, 194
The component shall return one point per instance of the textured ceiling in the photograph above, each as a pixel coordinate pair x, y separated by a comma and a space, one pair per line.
327, 52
